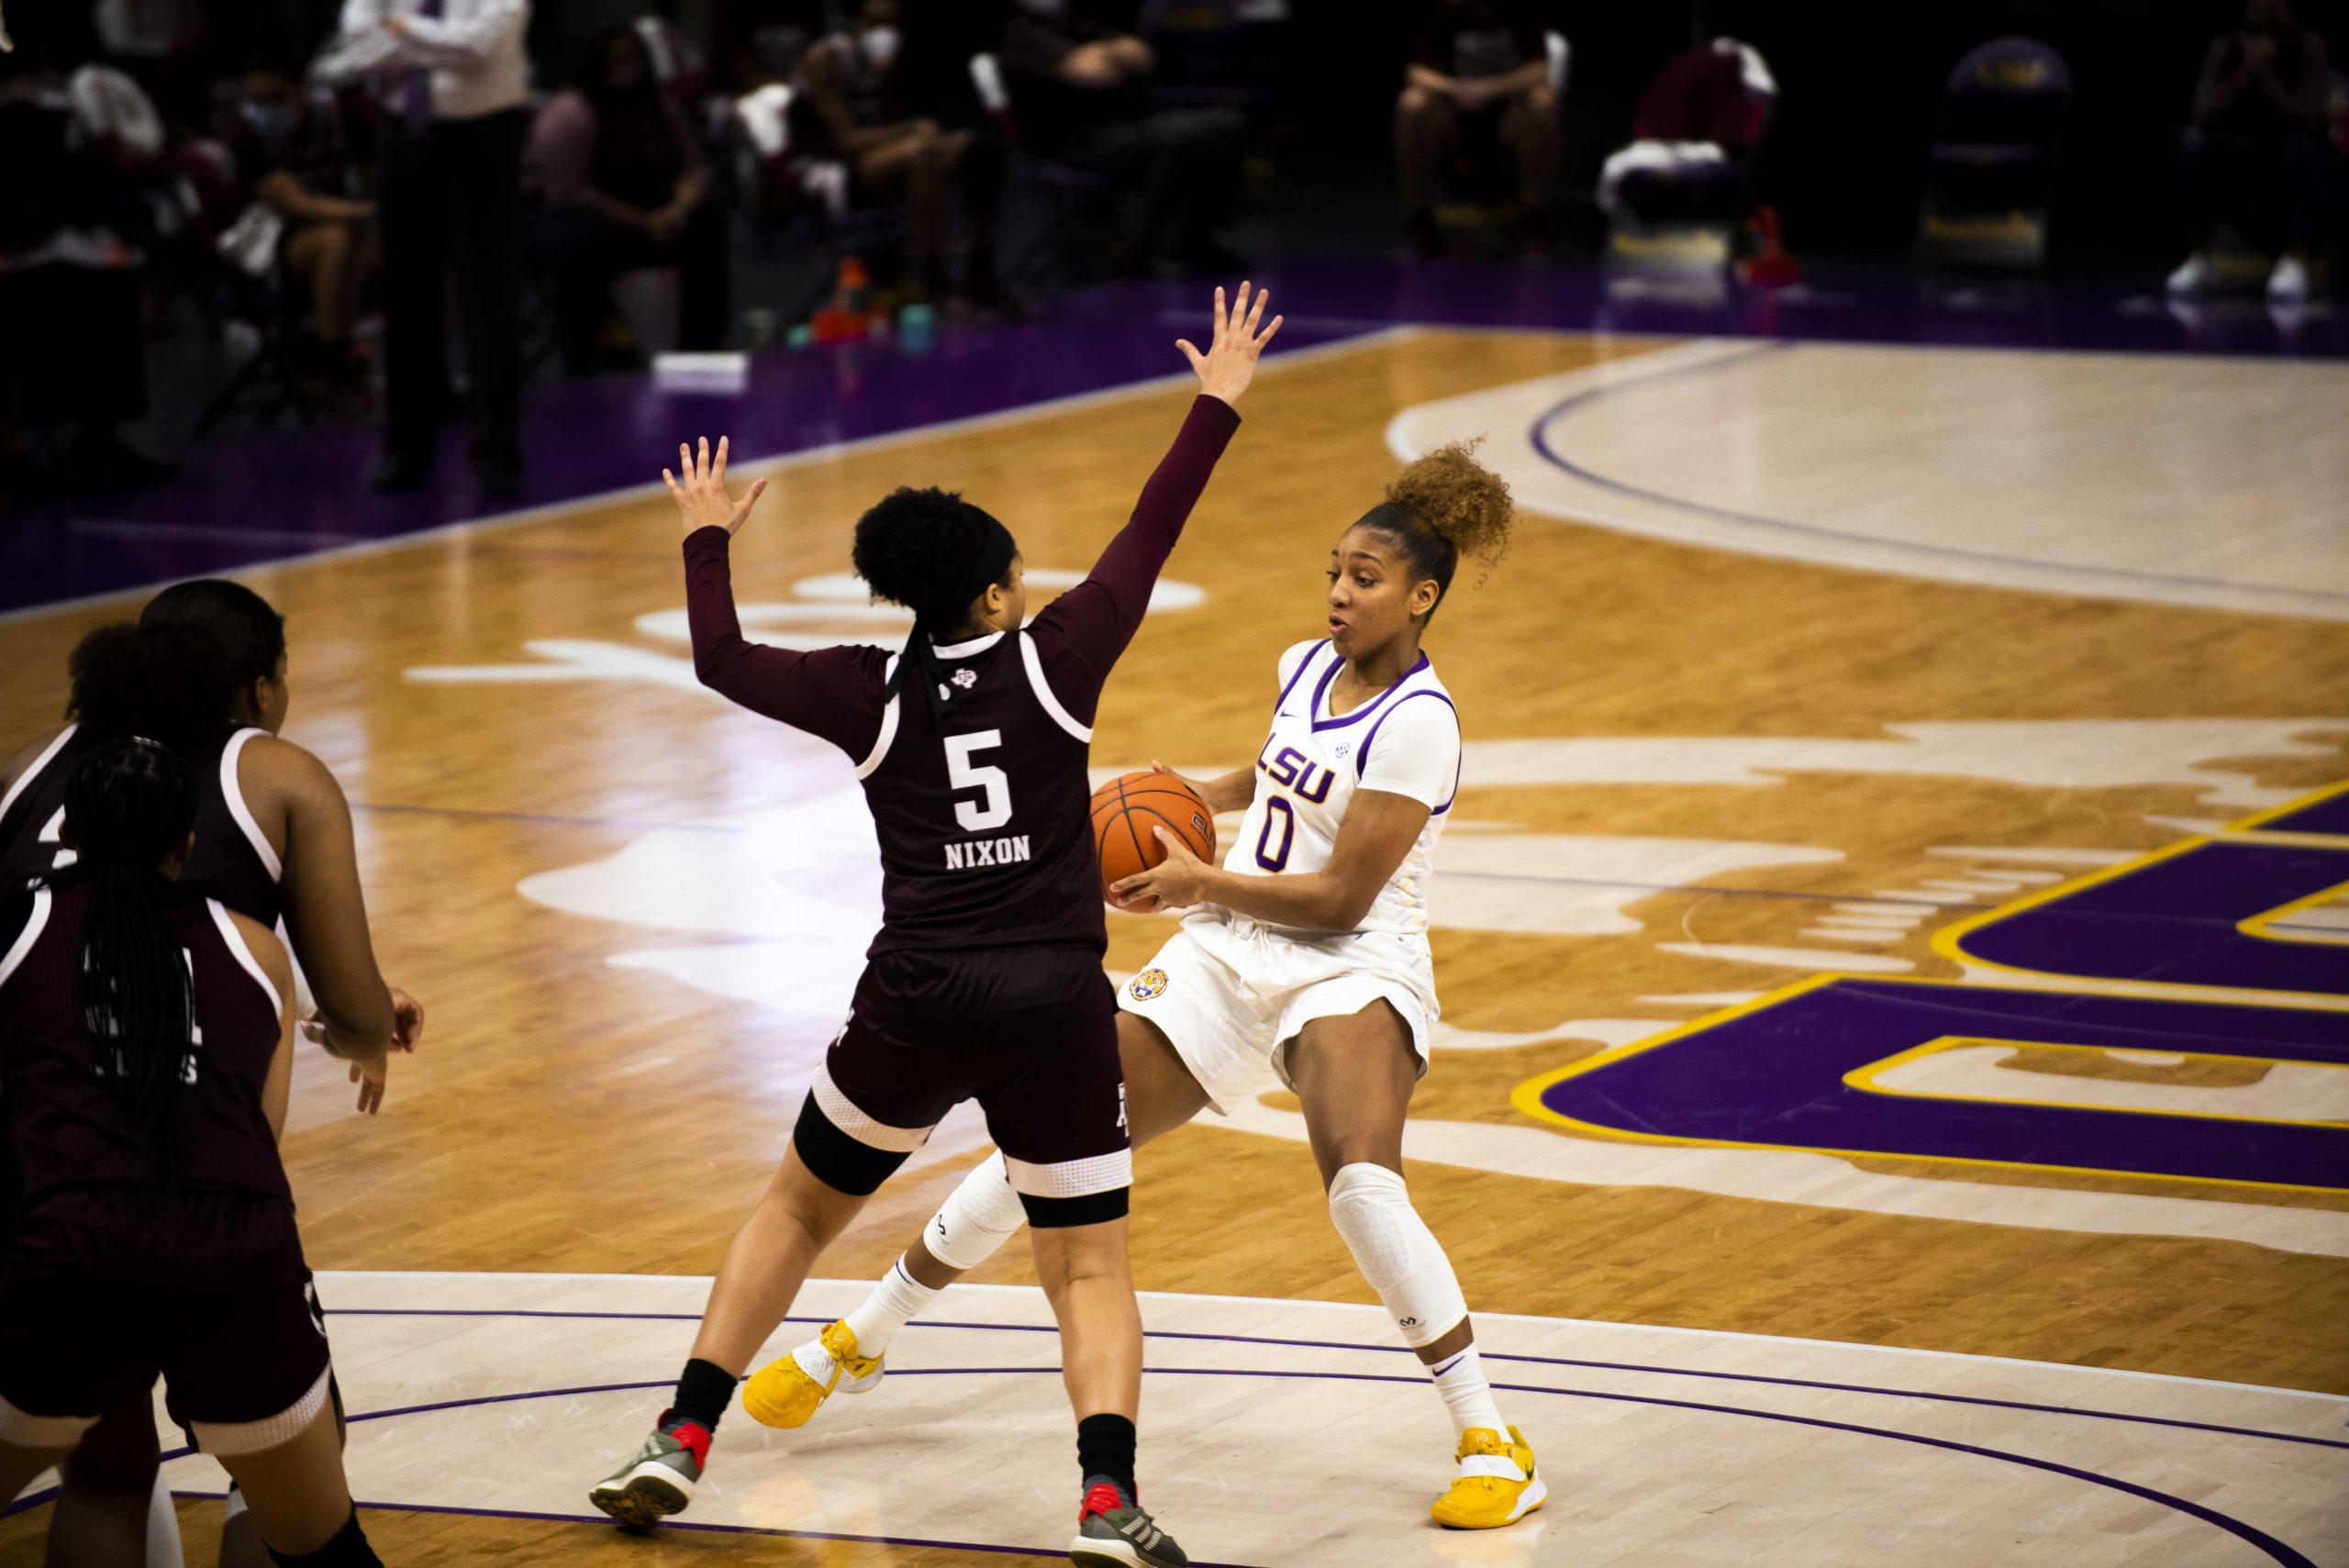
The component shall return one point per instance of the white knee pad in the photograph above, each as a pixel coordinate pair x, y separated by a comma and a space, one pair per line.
1397, 1254
979, 1216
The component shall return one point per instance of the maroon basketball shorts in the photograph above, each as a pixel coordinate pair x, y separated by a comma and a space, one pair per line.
1030, 1033
103, 1290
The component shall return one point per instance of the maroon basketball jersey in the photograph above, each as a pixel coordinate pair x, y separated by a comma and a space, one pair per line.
233, 861
65, 1126
982, 818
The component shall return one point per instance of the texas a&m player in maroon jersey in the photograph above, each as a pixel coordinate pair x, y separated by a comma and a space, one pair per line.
146, 1036
985, 981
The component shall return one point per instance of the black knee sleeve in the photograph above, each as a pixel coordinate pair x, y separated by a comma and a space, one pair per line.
837, 1159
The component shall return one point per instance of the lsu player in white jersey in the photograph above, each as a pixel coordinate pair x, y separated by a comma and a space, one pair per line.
1303, 962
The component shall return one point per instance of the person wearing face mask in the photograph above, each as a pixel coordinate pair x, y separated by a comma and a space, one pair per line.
624, 187
2257, 119
850, 107
293, 156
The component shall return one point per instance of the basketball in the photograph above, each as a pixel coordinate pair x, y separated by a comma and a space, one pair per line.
1128, 808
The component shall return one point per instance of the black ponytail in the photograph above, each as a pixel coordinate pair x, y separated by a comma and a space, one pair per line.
128, 805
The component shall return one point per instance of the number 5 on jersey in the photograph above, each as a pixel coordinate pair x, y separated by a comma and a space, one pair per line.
994, 807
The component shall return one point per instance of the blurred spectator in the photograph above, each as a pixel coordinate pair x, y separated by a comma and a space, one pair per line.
74, 364
850, 107
625, 188
296, 160
2258, 116
755, 42
1478, 82
453, 80
1079, 91
1695, 134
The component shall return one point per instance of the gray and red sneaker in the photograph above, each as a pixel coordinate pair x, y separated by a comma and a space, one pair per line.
1113, 1532
659, 1480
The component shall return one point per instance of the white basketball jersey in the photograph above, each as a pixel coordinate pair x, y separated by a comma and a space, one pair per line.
1407, 739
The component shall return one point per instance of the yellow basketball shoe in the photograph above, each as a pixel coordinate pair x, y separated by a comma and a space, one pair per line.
787, 1392
1496, 1484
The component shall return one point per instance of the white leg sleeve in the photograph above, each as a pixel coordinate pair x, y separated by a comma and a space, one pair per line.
162, 1528
1399, 1256
979, 1216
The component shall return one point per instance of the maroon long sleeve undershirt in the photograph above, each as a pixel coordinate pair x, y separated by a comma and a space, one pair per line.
836, 692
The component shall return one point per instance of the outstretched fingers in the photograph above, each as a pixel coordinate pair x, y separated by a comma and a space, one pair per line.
1199, 360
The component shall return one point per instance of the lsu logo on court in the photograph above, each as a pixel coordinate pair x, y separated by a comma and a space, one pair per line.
2189, 950
1149, 984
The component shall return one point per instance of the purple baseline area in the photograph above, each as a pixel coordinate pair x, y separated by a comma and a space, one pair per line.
2330, 814
1775, 1077
2174, 921
239, 501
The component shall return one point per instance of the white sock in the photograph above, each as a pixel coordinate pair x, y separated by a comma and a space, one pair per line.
893, 1304
163, 1528
1461, 1381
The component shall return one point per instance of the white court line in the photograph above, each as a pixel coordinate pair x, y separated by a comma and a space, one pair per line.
332, 1274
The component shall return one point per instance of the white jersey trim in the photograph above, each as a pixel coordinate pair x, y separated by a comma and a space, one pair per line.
244, 955
850, 1118
48, 755
235, 795
234, 1437
1060, 716
965, 650
28, 937
1072, 1178
888, 723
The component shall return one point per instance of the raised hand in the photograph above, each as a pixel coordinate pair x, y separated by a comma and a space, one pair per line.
701, 498
1229, 363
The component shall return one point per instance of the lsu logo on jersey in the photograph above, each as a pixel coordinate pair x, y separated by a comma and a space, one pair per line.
1148, 985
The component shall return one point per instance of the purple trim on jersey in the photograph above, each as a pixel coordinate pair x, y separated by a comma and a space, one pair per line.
1320, 724
1362, 757
1302, 666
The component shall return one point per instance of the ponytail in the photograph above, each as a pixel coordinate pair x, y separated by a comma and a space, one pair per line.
129, 805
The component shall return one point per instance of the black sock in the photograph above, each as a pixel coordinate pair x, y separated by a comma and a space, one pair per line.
349, 1549
1104, 1451
704, 1390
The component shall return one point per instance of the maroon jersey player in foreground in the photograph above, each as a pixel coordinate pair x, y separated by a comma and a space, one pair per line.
985, 981
146, 1035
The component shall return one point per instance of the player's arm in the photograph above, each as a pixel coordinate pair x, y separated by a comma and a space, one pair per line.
326, 912
1093, 622
269, 954
1378, 831
1225, 792
831, 693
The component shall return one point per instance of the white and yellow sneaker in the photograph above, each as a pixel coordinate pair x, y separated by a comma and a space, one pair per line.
787, 1393
1496, 1484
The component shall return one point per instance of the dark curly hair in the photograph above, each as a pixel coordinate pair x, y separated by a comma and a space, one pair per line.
917, 548
128, 679
1442, 509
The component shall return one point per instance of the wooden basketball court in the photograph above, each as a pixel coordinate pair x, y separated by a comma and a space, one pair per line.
1895, 664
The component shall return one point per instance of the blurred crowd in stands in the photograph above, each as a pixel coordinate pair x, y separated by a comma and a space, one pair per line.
321, 185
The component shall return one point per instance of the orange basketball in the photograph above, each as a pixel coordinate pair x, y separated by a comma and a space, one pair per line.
1128, 808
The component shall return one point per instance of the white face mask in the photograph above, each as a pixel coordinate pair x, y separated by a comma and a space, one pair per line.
880, 46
